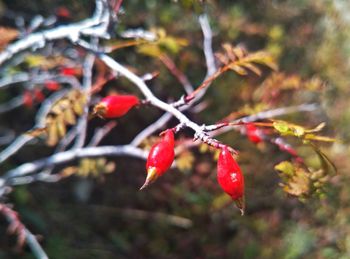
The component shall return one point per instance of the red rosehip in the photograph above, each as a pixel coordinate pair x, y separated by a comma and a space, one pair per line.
160, 158
68, 71
63, 12
38, 95
230, 177
115, 106
27, 99
52, 85
253, 133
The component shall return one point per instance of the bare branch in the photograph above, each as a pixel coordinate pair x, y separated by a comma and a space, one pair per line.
95, 26
23, 233
40, 118
64, 157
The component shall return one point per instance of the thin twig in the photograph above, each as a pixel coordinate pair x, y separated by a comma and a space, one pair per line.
66, 156
40, 119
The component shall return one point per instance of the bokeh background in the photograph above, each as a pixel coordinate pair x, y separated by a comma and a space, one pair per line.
185, 214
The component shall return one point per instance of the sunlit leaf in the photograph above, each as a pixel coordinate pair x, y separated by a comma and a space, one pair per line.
281, 126
241, 61
286, 167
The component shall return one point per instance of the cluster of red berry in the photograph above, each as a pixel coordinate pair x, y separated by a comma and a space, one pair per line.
161, 155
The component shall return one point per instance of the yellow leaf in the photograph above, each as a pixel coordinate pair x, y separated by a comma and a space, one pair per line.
185, 160
281, 126
298, 131
319, 138
285, 167
238, 69
150, 50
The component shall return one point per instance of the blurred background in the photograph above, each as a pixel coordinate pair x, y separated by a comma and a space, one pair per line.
185, 214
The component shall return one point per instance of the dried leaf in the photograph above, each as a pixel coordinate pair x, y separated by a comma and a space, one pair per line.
295, 180
63, 113
240, 61
36, 132
94, 167
69, 117
52, 135
238, 69
7, 35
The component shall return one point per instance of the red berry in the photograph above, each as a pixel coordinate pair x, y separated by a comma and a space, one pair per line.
160, 158
68, 71
253, 133
38, 95
27, 99
63, 12
230, 177
52, 85
115, 106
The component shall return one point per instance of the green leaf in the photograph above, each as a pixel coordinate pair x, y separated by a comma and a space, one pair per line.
281, 126
285, 167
